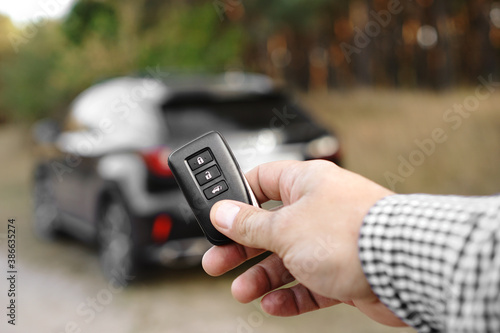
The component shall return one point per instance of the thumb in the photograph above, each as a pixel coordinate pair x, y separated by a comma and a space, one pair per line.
244, 224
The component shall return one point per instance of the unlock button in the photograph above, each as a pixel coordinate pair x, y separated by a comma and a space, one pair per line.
208, 175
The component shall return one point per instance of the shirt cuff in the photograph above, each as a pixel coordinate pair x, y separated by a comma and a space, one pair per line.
419, 254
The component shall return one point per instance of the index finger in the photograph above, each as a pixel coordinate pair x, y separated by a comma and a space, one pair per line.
221, 259
266, 180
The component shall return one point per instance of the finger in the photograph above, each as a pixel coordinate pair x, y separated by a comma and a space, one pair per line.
260, 279
221, 259
245, 224
379, 312
294, 301
266, 180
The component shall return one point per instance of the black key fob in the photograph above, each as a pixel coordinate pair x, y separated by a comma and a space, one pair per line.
207, 172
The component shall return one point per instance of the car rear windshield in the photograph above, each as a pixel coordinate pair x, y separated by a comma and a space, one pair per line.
199, 115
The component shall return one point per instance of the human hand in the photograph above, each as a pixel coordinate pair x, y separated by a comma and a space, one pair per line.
313, 237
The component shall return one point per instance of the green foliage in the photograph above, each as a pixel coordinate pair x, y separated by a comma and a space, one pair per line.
104, 38
5, 46
191, 37
62, 60
90, 17
27, 92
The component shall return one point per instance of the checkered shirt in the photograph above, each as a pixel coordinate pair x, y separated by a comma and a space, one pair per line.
435, 260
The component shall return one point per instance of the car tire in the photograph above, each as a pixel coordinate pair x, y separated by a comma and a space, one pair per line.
45, 213
117, 249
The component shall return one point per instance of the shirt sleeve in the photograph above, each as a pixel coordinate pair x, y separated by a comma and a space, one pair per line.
435, 260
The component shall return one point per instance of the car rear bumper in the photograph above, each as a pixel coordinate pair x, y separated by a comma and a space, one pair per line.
178, 253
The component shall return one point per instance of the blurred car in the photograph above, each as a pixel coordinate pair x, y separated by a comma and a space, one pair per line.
102, 173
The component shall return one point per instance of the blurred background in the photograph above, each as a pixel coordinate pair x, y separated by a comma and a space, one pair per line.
409, 87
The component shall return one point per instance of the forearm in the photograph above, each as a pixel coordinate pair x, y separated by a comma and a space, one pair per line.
435, 260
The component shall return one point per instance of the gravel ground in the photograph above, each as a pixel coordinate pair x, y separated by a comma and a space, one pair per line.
60, 288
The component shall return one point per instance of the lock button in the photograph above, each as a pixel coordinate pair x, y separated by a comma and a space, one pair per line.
208, 175
200, 160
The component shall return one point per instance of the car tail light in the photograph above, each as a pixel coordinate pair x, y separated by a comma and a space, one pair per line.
157, 161
326, 148
162, 227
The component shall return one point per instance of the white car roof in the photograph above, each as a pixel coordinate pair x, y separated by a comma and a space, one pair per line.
121, 113
118, 99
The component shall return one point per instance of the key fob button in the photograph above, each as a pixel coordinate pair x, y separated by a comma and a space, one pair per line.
208, 175
200, 160
207, 172
215, 190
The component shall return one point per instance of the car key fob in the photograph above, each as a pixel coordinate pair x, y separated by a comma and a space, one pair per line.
207, 172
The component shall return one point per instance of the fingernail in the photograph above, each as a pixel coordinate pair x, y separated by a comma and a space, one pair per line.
225, 215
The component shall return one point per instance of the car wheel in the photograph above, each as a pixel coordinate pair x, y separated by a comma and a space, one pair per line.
116, 245
45, 219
